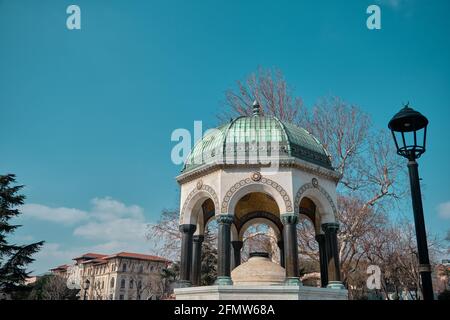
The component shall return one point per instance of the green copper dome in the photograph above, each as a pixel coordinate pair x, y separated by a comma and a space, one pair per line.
247, 137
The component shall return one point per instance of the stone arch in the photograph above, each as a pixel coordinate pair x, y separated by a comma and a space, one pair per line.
202, 224
321, 198
264, 185
194, 200
259, 220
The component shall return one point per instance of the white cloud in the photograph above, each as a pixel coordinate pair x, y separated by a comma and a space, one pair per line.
62, 215
112, 220
116, 229
109, 226
108, 208
444, 210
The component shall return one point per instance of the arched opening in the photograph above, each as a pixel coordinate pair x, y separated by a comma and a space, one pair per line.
308, 228
258, 236
203, 268
257, 221
208, 259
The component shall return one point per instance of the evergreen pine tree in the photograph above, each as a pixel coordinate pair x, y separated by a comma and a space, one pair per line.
13, 258
209, 260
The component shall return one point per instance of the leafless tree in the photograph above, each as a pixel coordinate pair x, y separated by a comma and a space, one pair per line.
52, 287
165, 235
259, 238
272, 92
55, 288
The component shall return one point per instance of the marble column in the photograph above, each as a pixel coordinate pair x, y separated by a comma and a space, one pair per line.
290, 248
196, 259
187, 230
224, 249
237, 246
320, 238
334, 271
280, 244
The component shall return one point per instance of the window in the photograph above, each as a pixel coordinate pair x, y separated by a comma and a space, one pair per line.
122, 284
121, 297
124, 267
103, 284
131, 283
112, 282
139, 285
151, 268
110, 296
141, 269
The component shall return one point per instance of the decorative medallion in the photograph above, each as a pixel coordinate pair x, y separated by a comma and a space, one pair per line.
199, 184
315, 182
256, 176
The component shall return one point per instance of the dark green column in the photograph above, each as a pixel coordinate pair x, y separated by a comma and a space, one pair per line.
237, 246
280, 244
196, 259
334, 270
187, 230
290, 248
320, 238
224, 249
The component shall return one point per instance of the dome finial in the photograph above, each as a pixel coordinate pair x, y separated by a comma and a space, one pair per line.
256, 108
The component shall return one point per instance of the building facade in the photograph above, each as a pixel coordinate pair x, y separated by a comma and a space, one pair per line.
120, 276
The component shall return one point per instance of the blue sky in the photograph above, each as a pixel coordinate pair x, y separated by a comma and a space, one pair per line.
86, 115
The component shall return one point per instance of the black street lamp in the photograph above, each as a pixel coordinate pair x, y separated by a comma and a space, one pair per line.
409, 129
86, 286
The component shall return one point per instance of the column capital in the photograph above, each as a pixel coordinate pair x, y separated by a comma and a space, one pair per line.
225, 219
289, 218
198, 238
331, 226
187, 228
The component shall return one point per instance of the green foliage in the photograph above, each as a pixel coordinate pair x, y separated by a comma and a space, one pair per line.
13, 258
209, 260
171, 273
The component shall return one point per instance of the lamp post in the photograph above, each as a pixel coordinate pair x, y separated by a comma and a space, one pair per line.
409, 130
87, 283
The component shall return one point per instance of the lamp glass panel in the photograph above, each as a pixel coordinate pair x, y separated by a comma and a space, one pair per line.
420, 137
409, 138
399, 139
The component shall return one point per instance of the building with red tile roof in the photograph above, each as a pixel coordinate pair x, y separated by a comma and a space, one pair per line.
118, 276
